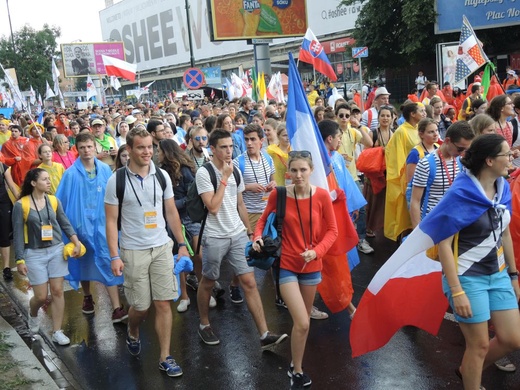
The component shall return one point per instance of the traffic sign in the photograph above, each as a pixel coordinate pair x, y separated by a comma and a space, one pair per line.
193, 78
359, 52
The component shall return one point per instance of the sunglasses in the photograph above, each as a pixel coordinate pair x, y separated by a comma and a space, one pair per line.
300, 153
341, 116
198, 138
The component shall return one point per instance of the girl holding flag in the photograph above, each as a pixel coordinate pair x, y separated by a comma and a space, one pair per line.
480, 278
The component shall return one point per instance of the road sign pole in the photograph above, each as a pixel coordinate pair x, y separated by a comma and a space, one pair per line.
361, 86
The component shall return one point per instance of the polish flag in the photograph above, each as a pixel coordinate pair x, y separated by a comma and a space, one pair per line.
313, 53
119, 68
407, 289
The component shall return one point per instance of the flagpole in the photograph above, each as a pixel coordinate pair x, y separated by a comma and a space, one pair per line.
496, 75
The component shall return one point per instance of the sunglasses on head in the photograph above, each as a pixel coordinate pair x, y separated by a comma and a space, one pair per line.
198, 138
341, 116
300, 153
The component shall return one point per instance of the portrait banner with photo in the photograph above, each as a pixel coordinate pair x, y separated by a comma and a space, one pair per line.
81, 59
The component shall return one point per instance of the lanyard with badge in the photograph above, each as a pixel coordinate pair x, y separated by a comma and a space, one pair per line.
265, 195
46, 230
500, 250
150, 217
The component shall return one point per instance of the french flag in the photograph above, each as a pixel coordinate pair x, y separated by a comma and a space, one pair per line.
119, 68
313, 53
407, 289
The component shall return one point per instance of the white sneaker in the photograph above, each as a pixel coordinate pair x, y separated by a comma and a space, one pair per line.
34, 324
364, 247
183, 305
317, 314
212, 301
60, 338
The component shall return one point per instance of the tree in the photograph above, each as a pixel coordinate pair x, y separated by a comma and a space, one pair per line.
32, 56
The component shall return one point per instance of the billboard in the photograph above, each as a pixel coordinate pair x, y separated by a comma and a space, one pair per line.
248, 19
480, 13
81, 59
155, 35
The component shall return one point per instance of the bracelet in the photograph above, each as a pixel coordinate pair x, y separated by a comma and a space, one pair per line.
181, 244
513, 277
458, 294
21, 261
115, 257
223, 183
513, 273
457, 285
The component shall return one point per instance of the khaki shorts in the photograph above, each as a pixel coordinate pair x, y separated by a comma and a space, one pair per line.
149, 276
253, 220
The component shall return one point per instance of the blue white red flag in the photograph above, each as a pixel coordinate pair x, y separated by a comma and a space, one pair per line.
302, 128
470, 55
313, 53
391, 300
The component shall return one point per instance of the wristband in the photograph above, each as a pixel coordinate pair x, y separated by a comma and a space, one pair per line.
513, 277
182, 244
223, 183
511, 274
460, 293
114, 258
21, 261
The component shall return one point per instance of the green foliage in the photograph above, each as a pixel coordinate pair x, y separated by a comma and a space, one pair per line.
32, 57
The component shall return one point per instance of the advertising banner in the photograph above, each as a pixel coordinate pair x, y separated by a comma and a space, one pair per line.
480, 13
212, 75
81, 59
247, 19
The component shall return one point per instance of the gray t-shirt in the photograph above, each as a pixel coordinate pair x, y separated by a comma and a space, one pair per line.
138, 209
227, 222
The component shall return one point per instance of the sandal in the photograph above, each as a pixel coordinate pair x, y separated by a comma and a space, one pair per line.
459, 374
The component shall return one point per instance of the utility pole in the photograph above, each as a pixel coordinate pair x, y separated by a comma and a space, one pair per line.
192, 59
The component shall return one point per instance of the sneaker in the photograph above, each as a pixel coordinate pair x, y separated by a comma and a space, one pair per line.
183, 305
318, 314
364, 247
171, 367
119, 315
208, 336
133, 345
279, 302
192, 281
236, 296
60, 338
306, 380
212, 302
88, 305
34, 324
218, 291
297, 381
8, 274
271, 340
505, 365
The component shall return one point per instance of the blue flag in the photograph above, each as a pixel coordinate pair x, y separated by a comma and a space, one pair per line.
302, 127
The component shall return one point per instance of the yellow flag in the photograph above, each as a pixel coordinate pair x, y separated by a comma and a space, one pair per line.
261, 88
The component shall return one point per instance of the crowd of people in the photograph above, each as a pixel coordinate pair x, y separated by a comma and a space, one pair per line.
114, 181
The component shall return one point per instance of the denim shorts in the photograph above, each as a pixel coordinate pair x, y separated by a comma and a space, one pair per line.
307, 279
486, 293
45, 263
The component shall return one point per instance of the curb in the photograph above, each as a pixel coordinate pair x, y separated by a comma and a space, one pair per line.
30, 366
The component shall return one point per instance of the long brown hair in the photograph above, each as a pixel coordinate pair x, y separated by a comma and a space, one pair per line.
174, 159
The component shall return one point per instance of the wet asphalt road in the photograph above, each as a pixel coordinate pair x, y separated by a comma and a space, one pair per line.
97, 357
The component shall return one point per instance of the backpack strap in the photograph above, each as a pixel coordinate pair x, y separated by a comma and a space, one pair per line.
120, 193
213, 178
431, 178
160, 178
26, 208
281, 199
241, 163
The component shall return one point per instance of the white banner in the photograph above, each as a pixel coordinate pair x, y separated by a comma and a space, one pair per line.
154, 32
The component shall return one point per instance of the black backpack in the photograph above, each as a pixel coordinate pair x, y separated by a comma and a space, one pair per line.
195, 207
121, 184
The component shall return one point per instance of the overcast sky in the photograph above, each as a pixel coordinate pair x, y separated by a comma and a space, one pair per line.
79, 20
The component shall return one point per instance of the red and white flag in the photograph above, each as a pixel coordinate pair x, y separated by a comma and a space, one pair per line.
119, 68
91, 88
212, 94
313, 53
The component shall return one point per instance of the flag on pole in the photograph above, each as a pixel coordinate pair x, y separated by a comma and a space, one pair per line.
275, 88
15, 96
302, 128
32, 95
120, 68
261, 88
55, 71
114, 83
470, 55
91, 88
254, 85
212, 94
313, 53
49, 93
408, 271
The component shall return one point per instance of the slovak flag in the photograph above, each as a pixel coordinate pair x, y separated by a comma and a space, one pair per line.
119, 68
313, 53
407, 289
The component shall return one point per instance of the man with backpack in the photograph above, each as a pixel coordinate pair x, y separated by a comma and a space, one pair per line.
145, 254
225, 236
435, 173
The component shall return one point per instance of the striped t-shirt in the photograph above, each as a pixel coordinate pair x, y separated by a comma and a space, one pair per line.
441, 182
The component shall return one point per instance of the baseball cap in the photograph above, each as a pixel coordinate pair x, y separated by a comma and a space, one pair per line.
97, 122
381, 91
511, 72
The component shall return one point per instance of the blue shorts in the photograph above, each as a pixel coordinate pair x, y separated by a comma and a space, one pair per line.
307, 279
45, 263
486, 293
